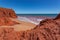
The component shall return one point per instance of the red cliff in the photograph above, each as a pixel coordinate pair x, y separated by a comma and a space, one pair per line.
48, 29
58, 17
5, 15
7, 12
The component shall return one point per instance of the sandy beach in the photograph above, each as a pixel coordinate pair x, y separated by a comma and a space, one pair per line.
26, 23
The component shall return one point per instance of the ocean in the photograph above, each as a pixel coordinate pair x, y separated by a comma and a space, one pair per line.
35, 18
47, 15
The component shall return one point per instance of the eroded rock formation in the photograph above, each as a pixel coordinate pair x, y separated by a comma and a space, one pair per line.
58, 17
48, 29
5, 15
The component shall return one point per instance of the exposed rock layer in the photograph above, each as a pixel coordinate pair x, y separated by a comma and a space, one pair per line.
5, 15
58, 17
48, 29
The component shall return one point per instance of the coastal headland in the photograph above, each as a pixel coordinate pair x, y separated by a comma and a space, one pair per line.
13, 29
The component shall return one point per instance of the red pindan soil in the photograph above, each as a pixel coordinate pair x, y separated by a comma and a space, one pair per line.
48, 29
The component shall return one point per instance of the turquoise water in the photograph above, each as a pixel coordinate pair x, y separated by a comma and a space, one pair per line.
48, 15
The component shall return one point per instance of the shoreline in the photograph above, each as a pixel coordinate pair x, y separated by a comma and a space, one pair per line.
33, 19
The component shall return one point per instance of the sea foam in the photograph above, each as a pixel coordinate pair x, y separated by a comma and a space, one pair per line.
29, 20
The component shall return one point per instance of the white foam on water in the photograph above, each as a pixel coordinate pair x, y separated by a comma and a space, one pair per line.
28, 20
39, 19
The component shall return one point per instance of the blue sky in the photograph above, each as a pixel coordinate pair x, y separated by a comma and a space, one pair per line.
32, 6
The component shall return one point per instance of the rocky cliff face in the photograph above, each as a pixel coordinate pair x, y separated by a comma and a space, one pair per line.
48, 29
5, 15
58, 17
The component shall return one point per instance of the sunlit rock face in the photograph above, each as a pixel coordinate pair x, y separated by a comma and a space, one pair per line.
5, 15
58, 17
48, 29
